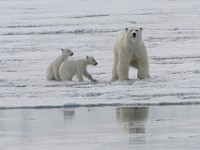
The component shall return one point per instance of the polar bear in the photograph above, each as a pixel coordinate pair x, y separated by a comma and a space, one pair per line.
52, 70
71, 67
129, 50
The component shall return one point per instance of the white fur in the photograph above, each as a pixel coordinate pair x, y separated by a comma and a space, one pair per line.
79, 67
130, 51
52, 70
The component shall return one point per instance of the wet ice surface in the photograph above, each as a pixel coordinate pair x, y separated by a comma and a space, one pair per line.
32, 32
127, 128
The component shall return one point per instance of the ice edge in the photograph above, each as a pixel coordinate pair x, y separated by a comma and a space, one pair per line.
75, 105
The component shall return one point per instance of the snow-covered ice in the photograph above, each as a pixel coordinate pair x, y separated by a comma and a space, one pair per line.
32, 32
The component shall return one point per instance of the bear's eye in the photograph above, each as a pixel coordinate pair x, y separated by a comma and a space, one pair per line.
131, 30
136, 30
93, 60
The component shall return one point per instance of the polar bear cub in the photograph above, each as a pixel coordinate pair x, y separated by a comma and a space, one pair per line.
52, 72
79, 67
129, 50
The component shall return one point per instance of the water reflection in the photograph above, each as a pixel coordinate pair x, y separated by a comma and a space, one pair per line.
133, 120
68, 113
74, 124
122, 128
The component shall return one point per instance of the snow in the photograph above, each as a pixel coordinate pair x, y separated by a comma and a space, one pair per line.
32, 33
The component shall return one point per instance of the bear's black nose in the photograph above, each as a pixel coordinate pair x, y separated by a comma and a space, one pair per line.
134, 35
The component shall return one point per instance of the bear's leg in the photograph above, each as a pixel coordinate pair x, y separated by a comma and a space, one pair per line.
56, 74
49, 74
114, 69
87, 75
134, 64
57, 77
143, 70
79, 73
123, 70
114, 72
80, 77
124, 59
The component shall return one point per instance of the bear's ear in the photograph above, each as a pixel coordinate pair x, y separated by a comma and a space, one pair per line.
61, 49
87, 57
141, 28
126, 29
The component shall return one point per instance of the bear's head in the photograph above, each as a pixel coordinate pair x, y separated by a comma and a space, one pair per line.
66, 52
91, 60
134, 34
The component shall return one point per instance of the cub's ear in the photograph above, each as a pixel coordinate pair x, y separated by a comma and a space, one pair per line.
141, 28
126, 29
87, 57
61, 49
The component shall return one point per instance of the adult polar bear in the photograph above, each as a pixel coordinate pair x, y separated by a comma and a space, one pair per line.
129, 50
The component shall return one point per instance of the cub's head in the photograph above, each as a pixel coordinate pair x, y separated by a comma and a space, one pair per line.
91, 60
66, 52
134, 34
